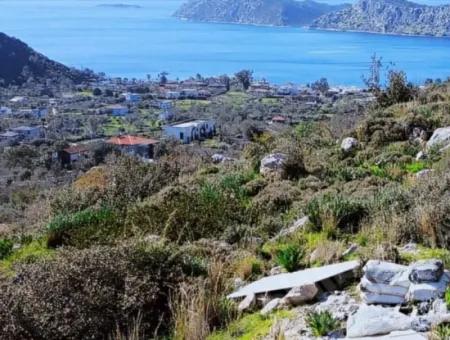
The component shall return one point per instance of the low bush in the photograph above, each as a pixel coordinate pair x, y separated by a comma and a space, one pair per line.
6, 247
89, 293
321, 323
289, 257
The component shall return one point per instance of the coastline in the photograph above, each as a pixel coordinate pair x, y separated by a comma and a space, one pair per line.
312, 28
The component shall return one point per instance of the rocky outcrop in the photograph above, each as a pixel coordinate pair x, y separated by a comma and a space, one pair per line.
389, 16
440, 137
257, 12
273, 165
20, 63
349, 144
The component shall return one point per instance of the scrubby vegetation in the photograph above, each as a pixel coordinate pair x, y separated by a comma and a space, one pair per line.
154, 248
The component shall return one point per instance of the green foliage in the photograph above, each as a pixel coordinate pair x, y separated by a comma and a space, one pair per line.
6, 247
322, 323
441, 332
82, 228
289, 257
250, 327
415, 167
447, 298
331, 212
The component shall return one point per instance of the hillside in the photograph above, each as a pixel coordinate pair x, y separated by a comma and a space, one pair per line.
20, 63
258, 12
389, 16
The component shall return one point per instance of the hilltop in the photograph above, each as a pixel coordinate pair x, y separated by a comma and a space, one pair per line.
389, 16
259, 12
20, 63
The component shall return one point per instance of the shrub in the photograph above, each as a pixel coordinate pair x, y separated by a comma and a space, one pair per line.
82, 228
6, 247
289, 258
329, 212
447, 298
249, 268
88, 293
321, 323
441, 332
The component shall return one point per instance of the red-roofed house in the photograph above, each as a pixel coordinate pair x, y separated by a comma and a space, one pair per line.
134, 145
279, 119
73, 154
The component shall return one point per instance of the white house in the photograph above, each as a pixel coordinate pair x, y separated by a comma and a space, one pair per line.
166, 108
172, 95
36, 113
28, 132
288, 90
132, 97
189, 131
117, 110
18, 100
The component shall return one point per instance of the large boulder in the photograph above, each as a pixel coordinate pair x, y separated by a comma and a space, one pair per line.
426, 271
301, 294
383, 272
273, 164
376, 320
427, 291
297, 225
349, 144
247, 303
339, 304
440, 138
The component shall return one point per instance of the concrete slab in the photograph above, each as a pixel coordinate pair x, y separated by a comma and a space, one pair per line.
290, 280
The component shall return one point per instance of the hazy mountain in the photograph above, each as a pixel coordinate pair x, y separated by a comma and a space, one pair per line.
389, 16
20, 63
258, 12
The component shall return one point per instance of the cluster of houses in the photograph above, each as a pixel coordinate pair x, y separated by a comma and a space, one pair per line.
21, 133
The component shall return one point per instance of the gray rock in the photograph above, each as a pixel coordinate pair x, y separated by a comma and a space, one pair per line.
382, 288
375, 320
382, 272
350, 250
349, 144
272, 164
440, 138
397, 335
270, 306
426, 271
298, 224
248, 303
426, 291
276, 270
382, 299
301, 294
421, 156
424, 173
410, 248
340, 305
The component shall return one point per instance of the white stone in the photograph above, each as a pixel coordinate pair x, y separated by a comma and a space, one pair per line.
440, 138
424, 173
247, 303
301, 294
410, 247
382, 288
340, 305
382, 299
397, 335
428, 290
376, 320
382, 272
270, 306
420, 156
298, 224
426, 271
272, 164
349, 144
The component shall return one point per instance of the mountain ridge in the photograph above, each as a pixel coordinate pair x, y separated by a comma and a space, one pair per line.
256, 12
390, 17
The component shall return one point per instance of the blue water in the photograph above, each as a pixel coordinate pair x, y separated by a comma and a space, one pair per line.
136, 42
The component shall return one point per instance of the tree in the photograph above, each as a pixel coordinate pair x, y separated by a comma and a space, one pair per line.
245, 77
321, 85
97, 92
373, 81
398, 90
163, 77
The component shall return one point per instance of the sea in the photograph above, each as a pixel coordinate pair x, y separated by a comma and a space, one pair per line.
143, 39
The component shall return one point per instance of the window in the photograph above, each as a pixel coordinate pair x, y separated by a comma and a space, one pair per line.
181, 135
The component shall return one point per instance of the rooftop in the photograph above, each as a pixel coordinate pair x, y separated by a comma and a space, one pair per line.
73, 149
189, 123
131, 140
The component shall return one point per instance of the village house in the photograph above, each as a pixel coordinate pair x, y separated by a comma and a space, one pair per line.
279, 120
166, 108
117, 110
28, 132
18, 100
73, 154
189, 131
39, 113
288, 90
189, 93
132, 98
172, 94
135, 145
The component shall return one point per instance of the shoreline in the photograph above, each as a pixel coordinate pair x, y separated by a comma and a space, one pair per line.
312, 28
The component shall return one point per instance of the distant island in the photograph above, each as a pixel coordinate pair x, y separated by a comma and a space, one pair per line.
377, 16
256, 12
389, 16
119, 6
